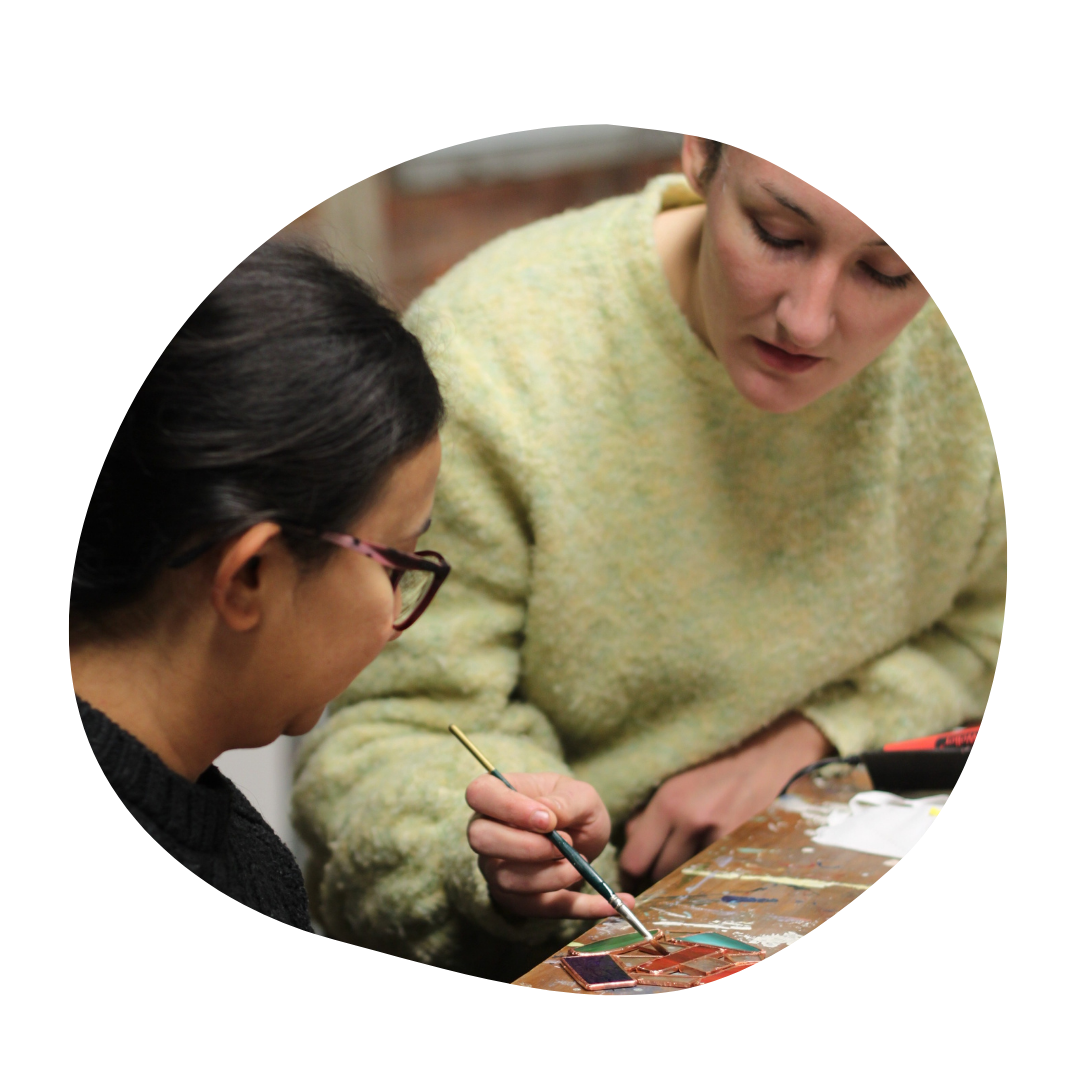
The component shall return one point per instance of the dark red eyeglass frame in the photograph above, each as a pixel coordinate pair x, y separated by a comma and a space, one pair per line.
398, 562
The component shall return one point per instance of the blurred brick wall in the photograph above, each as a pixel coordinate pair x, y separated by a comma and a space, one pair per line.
428, 232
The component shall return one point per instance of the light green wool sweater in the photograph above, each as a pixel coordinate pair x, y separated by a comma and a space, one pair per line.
647, 569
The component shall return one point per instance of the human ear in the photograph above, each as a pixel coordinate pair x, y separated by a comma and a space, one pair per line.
695, 156
235, 592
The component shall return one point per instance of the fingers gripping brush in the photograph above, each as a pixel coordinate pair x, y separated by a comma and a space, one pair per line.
576, 860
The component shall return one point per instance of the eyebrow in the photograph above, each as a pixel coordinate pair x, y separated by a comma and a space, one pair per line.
795, 208
423, 529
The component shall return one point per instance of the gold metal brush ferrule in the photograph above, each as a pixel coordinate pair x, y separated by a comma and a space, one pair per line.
464, 740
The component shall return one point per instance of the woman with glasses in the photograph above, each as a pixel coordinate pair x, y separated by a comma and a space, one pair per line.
721, 500
250, 547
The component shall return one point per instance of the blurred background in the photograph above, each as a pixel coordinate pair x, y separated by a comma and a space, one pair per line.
403, 228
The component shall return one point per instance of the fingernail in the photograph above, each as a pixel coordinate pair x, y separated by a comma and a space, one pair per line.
541, 820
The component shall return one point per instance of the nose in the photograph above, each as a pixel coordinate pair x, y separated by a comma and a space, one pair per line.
806, 311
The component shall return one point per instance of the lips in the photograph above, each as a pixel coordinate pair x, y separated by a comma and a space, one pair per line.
781, 360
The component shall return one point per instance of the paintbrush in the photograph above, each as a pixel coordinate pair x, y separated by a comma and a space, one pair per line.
576, 860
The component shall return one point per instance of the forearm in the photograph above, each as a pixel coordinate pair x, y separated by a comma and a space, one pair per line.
933, 683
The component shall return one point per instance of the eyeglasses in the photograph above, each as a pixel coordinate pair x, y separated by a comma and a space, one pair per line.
416, 577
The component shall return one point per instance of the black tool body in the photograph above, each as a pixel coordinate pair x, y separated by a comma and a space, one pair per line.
903, 771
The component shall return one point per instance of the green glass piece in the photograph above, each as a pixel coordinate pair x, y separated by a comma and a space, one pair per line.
721, 940
609, 943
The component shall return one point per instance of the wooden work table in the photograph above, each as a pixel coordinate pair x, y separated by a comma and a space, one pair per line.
767, 883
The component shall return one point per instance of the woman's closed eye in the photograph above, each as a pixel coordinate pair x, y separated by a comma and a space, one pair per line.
767, 238
890, 281
779, 243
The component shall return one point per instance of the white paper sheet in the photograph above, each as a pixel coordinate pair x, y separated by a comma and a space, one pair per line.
880, 823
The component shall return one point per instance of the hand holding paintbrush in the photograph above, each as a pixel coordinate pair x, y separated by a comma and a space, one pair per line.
531, 868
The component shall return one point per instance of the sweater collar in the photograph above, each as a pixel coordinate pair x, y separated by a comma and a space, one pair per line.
194, 814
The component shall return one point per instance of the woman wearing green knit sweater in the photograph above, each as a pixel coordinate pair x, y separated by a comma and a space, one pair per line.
720, 497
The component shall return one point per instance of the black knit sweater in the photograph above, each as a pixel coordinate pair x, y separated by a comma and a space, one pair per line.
208, 825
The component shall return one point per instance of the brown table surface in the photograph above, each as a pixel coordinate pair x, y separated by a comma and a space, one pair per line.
767, 883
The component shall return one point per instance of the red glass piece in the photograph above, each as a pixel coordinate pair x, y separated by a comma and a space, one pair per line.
680, 957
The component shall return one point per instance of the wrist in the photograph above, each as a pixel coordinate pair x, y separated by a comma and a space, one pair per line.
805, 737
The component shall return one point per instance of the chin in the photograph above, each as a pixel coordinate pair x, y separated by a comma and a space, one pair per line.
302, 724
770, 394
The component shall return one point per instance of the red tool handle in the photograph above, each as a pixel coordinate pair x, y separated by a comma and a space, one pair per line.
947, 740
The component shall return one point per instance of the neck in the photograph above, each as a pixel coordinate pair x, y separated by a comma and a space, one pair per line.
678, 235
155, 694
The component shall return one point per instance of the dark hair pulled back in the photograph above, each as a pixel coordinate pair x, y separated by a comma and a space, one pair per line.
288, 395
712, 162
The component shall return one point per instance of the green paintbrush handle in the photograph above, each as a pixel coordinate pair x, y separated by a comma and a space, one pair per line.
575, 858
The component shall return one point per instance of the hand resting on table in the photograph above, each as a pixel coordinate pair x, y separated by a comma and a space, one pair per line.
695, 808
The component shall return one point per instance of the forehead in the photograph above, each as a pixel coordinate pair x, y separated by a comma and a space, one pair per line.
753, 177
404, 503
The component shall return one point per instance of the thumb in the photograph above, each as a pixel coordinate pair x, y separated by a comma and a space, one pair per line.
556, 805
